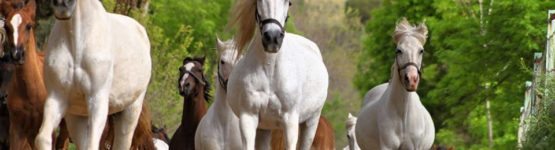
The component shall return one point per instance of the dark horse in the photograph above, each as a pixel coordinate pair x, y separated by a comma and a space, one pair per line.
194, 88
6, 71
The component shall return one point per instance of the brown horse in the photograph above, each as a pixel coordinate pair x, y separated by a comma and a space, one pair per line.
323, 140
26, 87
26, 90
194, 88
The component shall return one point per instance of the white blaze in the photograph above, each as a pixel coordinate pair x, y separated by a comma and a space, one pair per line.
16, 21
188, 67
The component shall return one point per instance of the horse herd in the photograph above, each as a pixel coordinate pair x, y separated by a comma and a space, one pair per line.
88, 86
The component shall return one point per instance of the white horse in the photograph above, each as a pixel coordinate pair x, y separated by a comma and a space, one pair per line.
219, 128
397, 119
351, 137
281, 82
97, 63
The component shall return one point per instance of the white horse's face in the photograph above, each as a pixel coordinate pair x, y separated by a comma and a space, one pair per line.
409, 55
271, 16
409, 52
63, 9
227, 59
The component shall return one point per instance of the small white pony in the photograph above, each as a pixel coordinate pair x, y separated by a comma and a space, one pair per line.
395, 118
351, 137
219, 128
281, 82
97, 63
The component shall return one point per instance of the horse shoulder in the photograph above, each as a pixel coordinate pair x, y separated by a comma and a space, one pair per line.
375, 93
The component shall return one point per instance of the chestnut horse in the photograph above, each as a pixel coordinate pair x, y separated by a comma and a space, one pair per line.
323, 140
194, 88
26, 90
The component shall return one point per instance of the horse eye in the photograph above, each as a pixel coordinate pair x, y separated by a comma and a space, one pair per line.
421, 51
398, 52
222, 62
28, 27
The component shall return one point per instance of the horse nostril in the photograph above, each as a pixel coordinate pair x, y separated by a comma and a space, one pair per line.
406, 78
187, 85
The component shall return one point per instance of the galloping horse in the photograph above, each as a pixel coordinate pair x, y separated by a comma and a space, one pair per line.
281, 82
26, 90
396, 119
97, 63
194, 88
219, 128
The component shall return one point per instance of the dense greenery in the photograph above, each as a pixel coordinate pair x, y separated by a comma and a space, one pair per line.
471, 56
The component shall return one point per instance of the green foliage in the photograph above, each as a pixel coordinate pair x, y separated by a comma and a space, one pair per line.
463, 55
541, 132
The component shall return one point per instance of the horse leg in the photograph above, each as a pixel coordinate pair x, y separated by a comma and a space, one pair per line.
263, 139
17, 141
248, 125
98, 113
125, 124
54, 110
77, 128
291, 130
308, 130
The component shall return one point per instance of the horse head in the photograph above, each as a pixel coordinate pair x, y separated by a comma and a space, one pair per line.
410, 42
64, 9
191, 81
19, 25
228, 59
271, 16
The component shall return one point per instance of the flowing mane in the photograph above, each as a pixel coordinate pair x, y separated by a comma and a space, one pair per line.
243, 19
405, 29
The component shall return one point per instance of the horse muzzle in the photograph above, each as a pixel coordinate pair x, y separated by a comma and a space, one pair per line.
18, 55
272, 40
411, 79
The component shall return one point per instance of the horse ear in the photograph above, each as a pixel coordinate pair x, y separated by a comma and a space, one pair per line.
350, 115
401, 27
201, 60
220, 44
187, 59
422, 29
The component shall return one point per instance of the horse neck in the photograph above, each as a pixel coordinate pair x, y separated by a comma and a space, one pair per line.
399, 97
86, 12
220, 96
193, 110
28, 76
